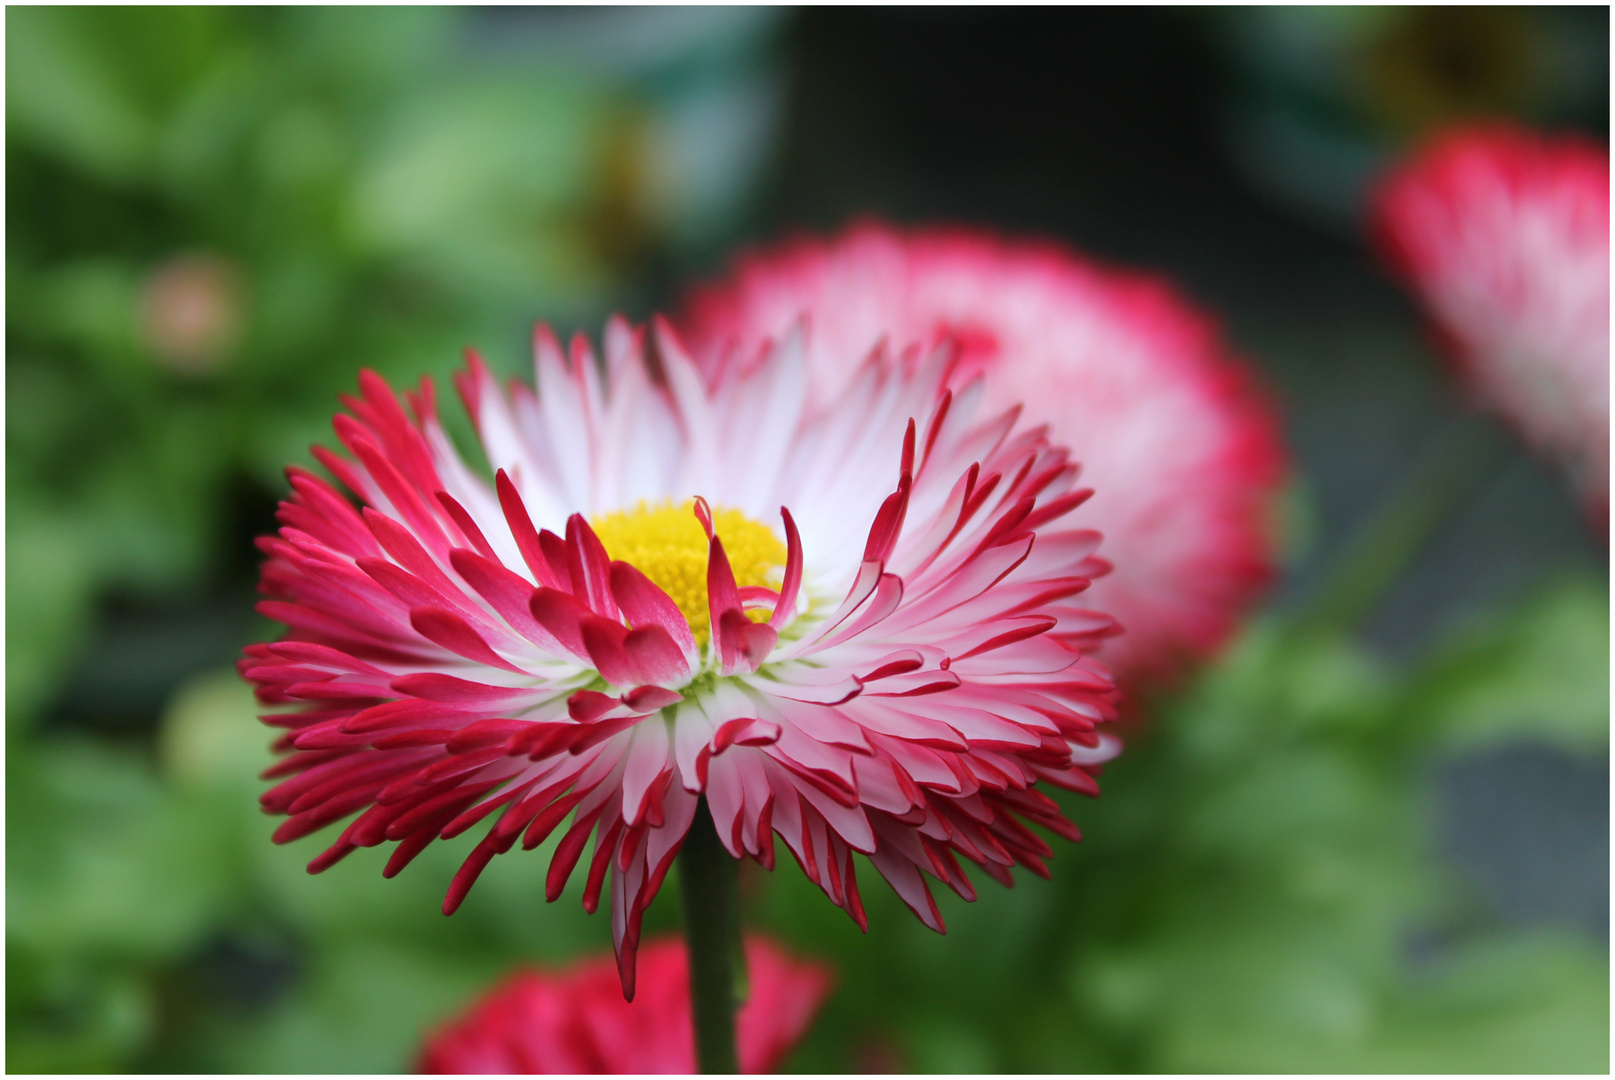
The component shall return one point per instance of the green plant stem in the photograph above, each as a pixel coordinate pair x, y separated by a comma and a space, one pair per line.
710, 880
1460, 459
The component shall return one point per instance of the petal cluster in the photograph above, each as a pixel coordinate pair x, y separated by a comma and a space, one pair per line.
1182, 450
576, 1021
468, 654
1504, 235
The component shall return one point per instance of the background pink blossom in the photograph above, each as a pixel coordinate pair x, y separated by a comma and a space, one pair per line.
576, 1021
1180, 445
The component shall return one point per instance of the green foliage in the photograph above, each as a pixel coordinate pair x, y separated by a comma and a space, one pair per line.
216, 217
1541, 671
1248, 899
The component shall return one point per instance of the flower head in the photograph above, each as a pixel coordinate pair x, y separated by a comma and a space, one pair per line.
576, 1021
870, 641
1504, 235
1182, 451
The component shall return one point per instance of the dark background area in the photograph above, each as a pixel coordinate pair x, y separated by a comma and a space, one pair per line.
1101, 126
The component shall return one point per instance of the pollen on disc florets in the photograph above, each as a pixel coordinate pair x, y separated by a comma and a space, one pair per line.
666, 542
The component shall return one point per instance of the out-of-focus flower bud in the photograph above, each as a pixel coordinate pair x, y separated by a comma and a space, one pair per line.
191, 312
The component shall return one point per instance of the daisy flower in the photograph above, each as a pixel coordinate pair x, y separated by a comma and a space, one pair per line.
1181, 449
576, 1021
856, 625
1504, 236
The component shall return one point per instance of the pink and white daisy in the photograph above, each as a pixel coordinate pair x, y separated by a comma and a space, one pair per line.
576, 1021
855, 624
1182, 451
1504, 235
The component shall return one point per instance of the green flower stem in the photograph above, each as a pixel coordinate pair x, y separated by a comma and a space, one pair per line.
1461, 458
710, 880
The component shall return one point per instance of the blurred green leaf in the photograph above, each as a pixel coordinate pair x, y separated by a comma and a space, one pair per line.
1539, 670
363, 1007
43, 412
93, 85
488, 177
64, 96
210, 735
99, 861
1520, 1003
90, 304
67, 1018
49, 577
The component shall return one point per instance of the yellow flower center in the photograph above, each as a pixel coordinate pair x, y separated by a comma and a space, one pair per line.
667, 544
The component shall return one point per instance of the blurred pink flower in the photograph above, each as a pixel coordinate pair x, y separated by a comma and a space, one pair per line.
192, 312
1182, 450
576, 1021
888, 670
1504, 236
